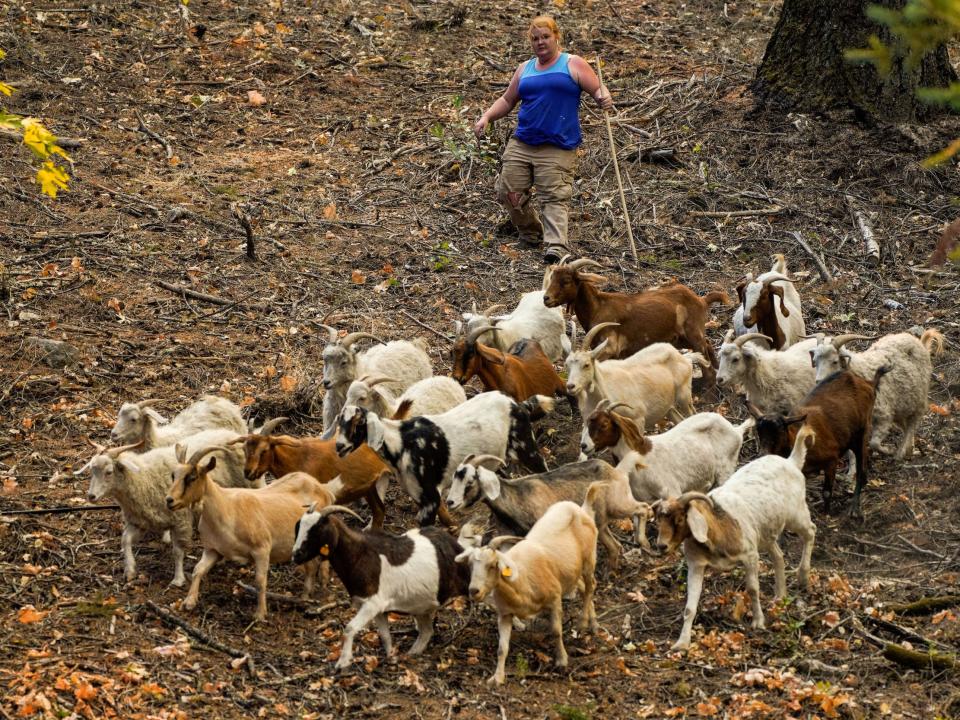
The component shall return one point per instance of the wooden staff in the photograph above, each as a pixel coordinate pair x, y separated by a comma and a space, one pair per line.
616, 170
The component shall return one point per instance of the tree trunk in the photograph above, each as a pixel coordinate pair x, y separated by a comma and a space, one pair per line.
804, 69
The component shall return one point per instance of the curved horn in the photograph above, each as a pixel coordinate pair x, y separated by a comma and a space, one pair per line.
270, 425
373, 380
355, 336
584, 262
564, 259
490, 310
730, 336
240, 439
616, 405
498, 541
740, 341
693, 495
114, 452
97, 446
840, 340
198, 455
776, 277
477, 332
588, 340
333, 333
477, 459
146, 403
330, 509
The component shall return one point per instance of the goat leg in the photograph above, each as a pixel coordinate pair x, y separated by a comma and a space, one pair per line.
505, 627
556, 625
424, 632
694, 589
752, 581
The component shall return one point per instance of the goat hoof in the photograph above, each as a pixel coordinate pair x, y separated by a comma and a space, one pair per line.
495, 680
178, 583
680, 646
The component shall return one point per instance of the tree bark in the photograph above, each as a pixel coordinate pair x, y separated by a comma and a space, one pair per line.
803, 68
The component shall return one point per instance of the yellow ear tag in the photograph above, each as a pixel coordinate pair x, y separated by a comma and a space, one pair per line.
506, 572
325, 550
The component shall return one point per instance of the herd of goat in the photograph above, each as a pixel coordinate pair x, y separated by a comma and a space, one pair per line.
813, 404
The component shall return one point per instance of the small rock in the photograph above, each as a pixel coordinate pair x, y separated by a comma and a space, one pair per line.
54, 353
28, 315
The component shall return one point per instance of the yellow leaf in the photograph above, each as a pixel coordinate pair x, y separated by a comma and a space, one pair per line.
255, 98
52, 178
287, 383
29, 614
330, 212
6, 89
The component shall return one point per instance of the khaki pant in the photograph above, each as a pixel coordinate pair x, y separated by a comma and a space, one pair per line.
550, 169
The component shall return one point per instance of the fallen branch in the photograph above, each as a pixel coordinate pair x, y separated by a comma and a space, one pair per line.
240, 213
180, 290
59, 510
154, 136
772, 210
818, 261
289, 599
925, 606
919, 660
64, 142
904, 633
425, 326
203, 637
870, 245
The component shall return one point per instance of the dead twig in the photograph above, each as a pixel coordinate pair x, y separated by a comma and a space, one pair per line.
60, 510
818, 261
180, 290
172, 619
144, 128
772, 210
425, 326
870, 245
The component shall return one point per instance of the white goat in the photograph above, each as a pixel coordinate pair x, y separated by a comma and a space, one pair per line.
403, 362
430, 396
735, 521
654, 381
557, 557
426, 450
775, 381
138, 421
696, 454
770, 305
902, 396
529, 319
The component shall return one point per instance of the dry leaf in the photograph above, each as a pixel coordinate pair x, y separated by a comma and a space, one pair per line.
939, 409
358, 277
255, 99
382, 287
330, 212
85, 691
269, 372
387, 269
239, 662
29, 614
287, 383
411, 679
707, 709
831, 618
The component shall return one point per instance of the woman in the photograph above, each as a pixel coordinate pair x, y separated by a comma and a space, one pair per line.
542, 151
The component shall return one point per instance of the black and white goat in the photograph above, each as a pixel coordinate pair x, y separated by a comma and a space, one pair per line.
425, 451
412, 573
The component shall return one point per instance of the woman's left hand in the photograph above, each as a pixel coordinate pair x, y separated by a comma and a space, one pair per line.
603, 99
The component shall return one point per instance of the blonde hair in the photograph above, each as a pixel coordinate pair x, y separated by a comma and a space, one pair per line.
545, 21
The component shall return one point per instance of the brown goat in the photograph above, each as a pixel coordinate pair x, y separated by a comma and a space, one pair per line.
521, 373
671, 313
840, 412
359, 473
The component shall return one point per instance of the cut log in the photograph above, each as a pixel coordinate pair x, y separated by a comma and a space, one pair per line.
919, 660
870, 246
925, 606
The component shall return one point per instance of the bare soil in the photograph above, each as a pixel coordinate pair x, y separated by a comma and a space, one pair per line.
372, 209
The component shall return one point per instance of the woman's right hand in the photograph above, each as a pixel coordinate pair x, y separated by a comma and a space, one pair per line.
481, 126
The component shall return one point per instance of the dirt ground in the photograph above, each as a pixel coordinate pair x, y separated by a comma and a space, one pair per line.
342, 130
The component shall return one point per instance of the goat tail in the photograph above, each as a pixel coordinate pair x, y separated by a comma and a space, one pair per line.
538, 406
593, 495
716, 296
933, 341
800, 445
745, 427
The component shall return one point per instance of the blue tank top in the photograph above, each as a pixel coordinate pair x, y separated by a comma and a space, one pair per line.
549, 105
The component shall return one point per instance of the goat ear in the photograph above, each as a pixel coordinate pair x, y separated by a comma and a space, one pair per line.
458, 327
741, 291
697, 524
794, 420
374, 432
127, 465
631, 432
181, 452
813, 359
465, 556
490, 354
211, 464
489, 483
778, 291
508, 571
